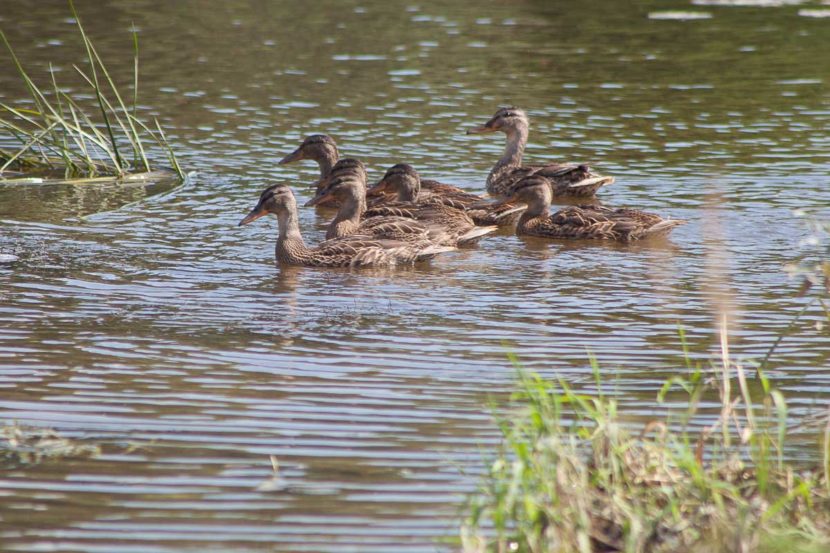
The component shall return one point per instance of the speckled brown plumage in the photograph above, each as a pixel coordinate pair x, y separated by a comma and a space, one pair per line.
455, 222
347, 186
593, 222
565, 180
403, 183
351, 251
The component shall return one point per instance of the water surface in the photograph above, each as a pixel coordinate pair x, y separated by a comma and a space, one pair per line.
145, 321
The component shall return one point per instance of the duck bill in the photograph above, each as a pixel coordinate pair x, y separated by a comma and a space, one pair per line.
318, 200
481, 129
484, 205
378, 189
255, 214
296, 155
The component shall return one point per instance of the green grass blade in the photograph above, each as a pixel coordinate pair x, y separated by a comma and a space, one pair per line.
170, 154
109, 106
19, 66
65, 147
34, 140
117, 156
137, 147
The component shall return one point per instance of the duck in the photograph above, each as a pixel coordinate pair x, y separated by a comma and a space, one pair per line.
585, 221
322, 148
350, 251
317, 147
347, 185
406, 184
565, 180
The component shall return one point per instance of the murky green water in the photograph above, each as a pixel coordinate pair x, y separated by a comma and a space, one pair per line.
162, 325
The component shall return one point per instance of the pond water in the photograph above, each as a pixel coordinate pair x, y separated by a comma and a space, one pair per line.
147, 322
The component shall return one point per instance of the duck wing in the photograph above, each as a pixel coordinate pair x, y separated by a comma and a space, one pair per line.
603, 223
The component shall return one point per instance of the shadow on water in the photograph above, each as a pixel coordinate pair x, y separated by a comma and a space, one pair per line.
54, 202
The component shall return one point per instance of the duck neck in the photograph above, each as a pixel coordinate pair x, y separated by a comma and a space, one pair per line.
348, 216
409, 190
537, 207
515, 148
326, 160
290, 245
511, 158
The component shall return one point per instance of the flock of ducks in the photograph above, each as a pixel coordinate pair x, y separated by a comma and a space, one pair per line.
403, 219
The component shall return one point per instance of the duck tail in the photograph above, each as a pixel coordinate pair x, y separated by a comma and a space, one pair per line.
596, 182
663, 227
431, 251
475, 234
500, 215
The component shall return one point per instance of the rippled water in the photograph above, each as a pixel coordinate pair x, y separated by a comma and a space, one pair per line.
145, 321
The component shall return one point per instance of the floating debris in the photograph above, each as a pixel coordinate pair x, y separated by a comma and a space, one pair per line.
679, 15
748, 3
31, 445
814, 13
7, 258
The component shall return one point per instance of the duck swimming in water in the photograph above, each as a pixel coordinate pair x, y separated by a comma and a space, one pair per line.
406, 184
347, 185
350, 251
565, 180
585, 221
317, 147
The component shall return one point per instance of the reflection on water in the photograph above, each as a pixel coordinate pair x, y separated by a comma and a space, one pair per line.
160, 330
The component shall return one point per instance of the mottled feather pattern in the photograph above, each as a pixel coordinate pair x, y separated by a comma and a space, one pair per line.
436, 192
561, 178
454, 222
364, 251
598, 222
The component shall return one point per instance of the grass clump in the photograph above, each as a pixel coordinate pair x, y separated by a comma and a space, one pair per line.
21, 445
572, 477
56, 134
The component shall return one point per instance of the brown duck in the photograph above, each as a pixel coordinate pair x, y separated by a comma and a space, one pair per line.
350, 251
404, 182
565, 180
317, 147
347, 185
585, 221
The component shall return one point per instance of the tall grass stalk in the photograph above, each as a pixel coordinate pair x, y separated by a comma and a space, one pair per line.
57, 133
572, 476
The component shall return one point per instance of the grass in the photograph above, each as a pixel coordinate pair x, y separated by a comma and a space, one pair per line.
571, 476
56, 134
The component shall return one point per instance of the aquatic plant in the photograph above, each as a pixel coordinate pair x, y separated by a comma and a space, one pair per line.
572, 476
57, 134
25, 445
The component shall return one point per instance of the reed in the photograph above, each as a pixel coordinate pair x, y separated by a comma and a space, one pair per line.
571, 476
57, 134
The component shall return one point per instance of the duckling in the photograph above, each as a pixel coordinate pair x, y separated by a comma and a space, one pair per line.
565, 179
348, 187
351, 251
318, 147
404, 181
585, 221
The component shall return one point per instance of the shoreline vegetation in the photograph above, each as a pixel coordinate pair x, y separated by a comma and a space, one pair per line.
708, 475
572, 475
58, 139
